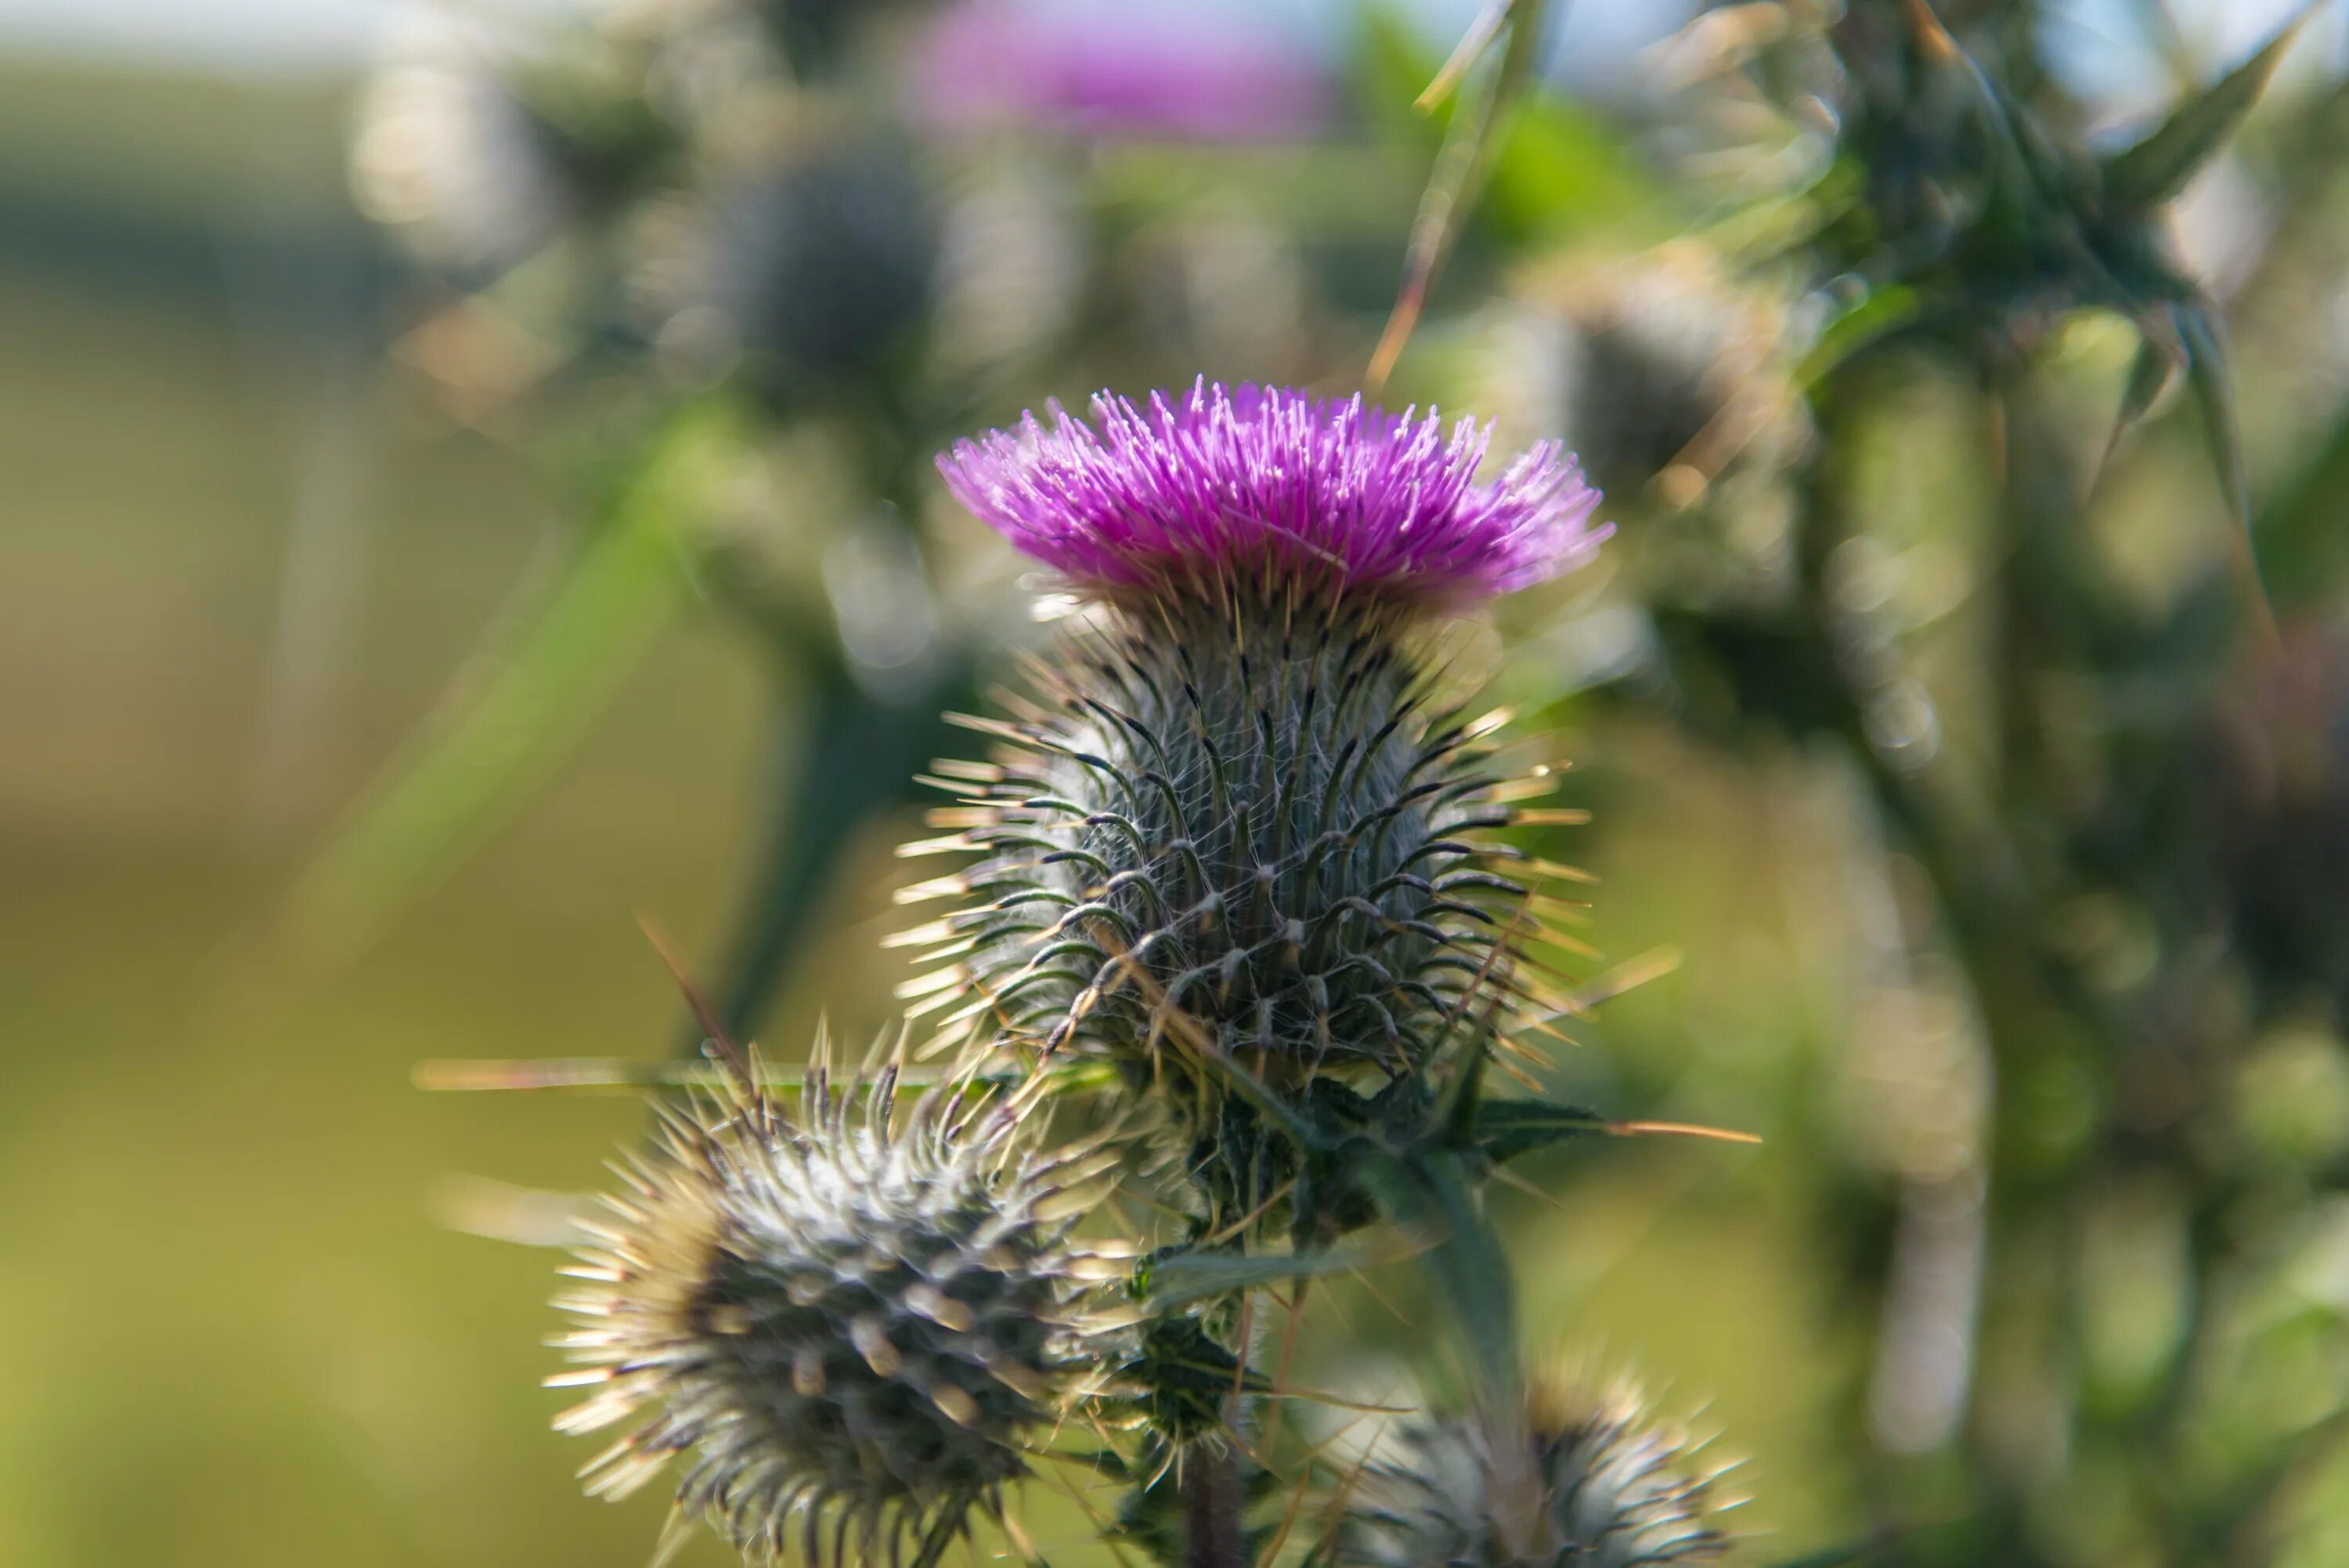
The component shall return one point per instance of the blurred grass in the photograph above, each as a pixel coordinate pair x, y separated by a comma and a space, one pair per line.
172, 143
241, 1335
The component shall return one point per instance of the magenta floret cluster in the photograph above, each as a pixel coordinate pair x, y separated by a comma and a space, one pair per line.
1252, 476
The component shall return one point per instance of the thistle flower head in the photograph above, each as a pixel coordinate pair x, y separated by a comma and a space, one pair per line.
1235, 480
1588, 1481
861, 1324
1242, 826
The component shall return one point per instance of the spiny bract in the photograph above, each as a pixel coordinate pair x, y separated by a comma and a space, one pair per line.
1239, 828
1587, 1481
1238, 831
863, 1322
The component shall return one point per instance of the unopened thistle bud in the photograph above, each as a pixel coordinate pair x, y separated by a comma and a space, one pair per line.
1234, 828
807, 277
1668, 373
1588, 1482
859, 1324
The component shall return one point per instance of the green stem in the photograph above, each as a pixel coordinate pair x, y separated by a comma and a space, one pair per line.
1211, 1509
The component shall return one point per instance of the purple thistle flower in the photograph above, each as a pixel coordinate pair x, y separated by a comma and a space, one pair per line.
1266, 477
1189, 75
1240, 818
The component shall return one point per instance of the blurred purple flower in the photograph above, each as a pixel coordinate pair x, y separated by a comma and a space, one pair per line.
1264, 475
1112, 71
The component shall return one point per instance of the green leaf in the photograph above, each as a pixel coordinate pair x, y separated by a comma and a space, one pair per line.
2158, 357
1504, 1129
505, 726
1432, 1192
2204, 337
2158, 168
1178, 1280
1882, 311
1455, 1108
1560, 171
2148, 373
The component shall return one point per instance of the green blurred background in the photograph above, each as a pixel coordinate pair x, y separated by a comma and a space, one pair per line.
250, 548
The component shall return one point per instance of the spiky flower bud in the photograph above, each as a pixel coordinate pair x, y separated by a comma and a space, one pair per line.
1236, 823
1588, 1482
1665, 371
862, 1324
806, 277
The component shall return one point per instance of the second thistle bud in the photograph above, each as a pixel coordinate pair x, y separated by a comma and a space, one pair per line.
858, 1326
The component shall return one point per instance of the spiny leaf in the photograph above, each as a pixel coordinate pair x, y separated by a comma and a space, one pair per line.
2019, 155
1508, 1127
2204, 335
2204, 339
1432, 1192
1456, 1109
1168, 1282
1882, 311
2158, 168
2149, 371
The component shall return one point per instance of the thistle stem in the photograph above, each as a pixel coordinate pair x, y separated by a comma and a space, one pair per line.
1211, 1509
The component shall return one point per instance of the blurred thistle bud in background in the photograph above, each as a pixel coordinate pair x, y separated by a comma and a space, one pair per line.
862, 1322
809, 276
1583, 1476
1660, 369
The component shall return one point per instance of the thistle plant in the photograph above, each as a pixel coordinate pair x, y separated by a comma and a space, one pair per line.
857, 1325
1236, 871
1245, 869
